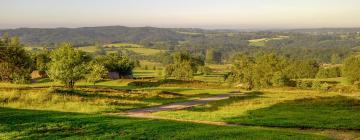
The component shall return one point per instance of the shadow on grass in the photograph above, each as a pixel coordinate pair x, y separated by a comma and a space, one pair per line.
213, 106
32, 124
337, 112
120, 94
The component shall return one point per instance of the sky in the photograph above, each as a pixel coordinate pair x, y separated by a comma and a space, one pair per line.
212, 14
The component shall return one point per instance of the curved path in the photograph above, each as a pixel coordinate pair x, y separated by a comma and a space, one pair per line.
178, 106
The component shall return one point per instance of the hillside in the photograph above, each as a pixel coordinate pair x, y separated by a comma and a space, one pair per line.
89, 35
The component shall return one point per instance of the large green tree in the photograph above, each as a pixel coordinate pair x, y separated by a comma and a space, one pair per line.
15, 61
67, 65
267, 70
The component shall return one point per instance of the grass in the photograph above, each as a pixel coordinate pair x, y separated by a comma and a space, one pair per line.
131, 47
87, 100
145, 51
123, 45
32, 124
258, 42
338, 112
262, 41
136, 48
241, 105
106, 96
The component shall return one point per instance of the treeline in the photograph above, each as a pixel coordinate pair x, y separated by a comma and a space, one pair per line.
89, 35
270, 70
250, 70
65, 64
321, 46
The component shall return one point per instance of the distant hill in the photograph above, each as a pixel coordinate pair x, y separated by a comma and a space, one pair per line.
90, 35
328, 30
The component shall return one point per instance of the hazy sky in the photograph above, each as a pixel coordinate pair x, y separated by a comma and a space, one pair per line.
181, 13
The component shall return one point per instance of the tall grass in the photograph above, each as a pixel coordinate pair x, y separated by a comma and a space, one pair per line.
44, 100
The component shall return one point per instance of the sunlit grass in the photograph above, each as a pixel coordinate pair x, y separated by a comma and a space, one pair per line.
337, 112
241, 105
86, 100
32, 124
262, 41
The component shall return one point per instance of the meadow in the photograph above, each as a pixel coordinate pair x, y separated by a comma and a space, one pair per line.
44, 109
114, 47
262, 41
83, 113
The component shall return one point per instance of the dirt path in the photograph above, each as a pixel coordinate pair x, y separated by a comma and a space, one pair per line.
146, 113
178, 106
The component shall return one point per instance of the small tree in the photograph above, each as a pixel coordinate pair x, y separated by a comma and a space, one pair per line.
116, 62
67, 65
96, 73
183, 67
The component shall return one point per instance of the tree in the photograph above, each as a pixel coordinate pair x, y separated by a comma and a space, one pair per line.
99, 49
331, 72
351, 69
184, 66
335, 59
15, 62
116, 62
96, 73
41, 59
209, 56
67, 65
298, 69
212, 56
263, 71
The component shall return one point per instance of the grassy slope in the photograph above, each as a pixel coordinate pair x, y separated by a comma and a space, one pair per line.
30, 124
107, 96
259, 108
336, 112
262, 42
131, 47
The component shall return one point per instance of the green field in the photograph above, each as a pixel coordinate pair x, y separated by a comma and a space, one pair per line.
242, 105
117, 46
262, 41
34, 124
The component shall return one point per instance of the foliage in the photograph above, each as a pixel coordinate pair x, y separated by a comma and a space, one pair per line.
213, 57
40, 60
331, 72
265, 70
96, 72
15, 62
67, 65
184, 66
116, 62
298, 69
351, 69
